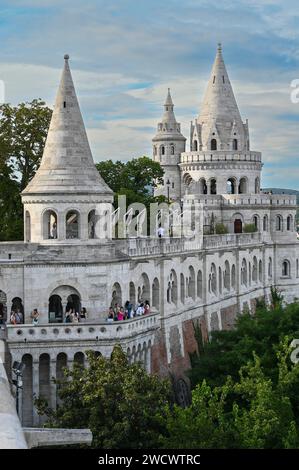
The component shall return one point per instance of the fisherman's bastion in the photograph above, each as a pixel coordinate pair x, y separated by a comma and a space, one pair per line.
203, 281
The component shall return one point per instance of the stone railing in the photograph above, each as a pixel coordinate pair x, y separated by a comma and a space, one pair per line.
99, 331
231, 239
157, 246
194, 157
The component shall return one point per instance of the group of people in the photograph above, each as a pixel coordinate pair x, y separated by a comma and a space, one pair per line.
119, 313
72, 316
17, 317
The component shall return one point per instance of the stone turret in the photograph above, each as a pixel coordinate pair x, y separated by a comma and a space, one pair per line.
220, 160
219, 125
168, 144
61, 200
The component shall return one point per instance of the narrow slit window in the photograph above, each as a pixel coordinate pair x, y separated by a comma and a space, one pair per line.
223, 78
64, 104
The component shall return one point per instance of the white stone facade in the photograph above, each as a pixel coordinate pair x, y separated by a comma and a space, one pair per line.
208, 279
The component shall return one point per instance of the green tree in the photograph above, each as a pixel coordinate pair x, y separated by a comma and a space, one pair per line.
23, 131
135, 179
119, 402
227, 351
249, 412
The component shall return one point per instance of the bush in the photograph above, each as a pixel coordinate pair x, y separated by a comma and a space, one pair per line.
221, 229
250, 228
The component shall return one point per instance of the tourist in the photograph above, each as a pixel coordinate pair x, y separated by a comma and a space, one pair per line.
160, 232
13, 318
146, 307
121, 314
35, 316
140, 310
54, 230
68, 317
75, 317
110, 317
83, 314
1, 318
19, 316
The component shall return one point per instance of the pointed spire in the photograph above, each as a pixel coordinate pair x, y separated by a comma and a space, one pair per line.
168, 116
67, 164
168, 101
219, 106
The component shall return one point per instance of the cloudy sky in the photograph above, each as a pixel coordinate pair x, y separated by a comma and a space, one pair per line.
125, 53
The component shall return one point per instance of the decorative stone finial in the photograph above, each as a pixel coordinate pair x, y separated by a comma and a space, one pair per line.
219, 47
66, 57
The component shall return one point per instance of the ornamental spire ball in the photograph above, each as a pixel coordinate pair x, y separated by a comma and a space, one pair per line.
66, 57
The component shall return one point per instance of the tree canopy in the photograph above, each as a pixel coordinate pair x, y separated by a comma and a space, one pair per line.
134, 179
23, 132
119, 402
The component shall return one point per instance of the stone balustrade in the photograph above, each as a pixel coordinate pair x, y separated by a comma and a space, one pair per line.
231, 239
156, 246
194, 157
96, 331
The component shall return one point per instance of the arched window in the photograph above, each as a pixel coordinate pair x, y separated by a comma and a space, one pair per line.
182, 288
244, 272
220, 280
260, 270
213, 186
72, 222
203, 189
171, 149
254, 269
286, 268
270, 268
162, 150
172, 289
195, 145
50, 225
289, 222
213, 280
116, 295
199, 284
233, 277
243, 186
255, 221
92, 224
279, 223
145, 290
235, 144
238, 226
191, 283
18, 308
226, 276
44, 376
132, 293
231, 186
213, 144
55, 309
265, 223
156, 294
257, 185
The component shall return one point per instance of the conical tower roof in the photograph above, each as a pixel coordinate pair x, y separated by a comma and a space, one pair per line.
67, 165
168, 127
219, 110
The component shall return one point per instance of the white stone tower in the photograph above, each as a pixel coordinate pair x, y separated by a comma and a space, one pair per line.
220, 160
60, 202
168, 144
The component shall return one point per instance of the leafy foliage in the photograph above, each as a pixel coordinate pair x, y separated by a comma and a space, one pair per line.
23, 131
134, 179
119, 402
249, 412
250, 228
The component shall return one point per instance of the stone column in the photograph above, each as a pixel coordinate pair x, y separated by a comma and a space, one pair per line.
61, 232
53, 387
35, 389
